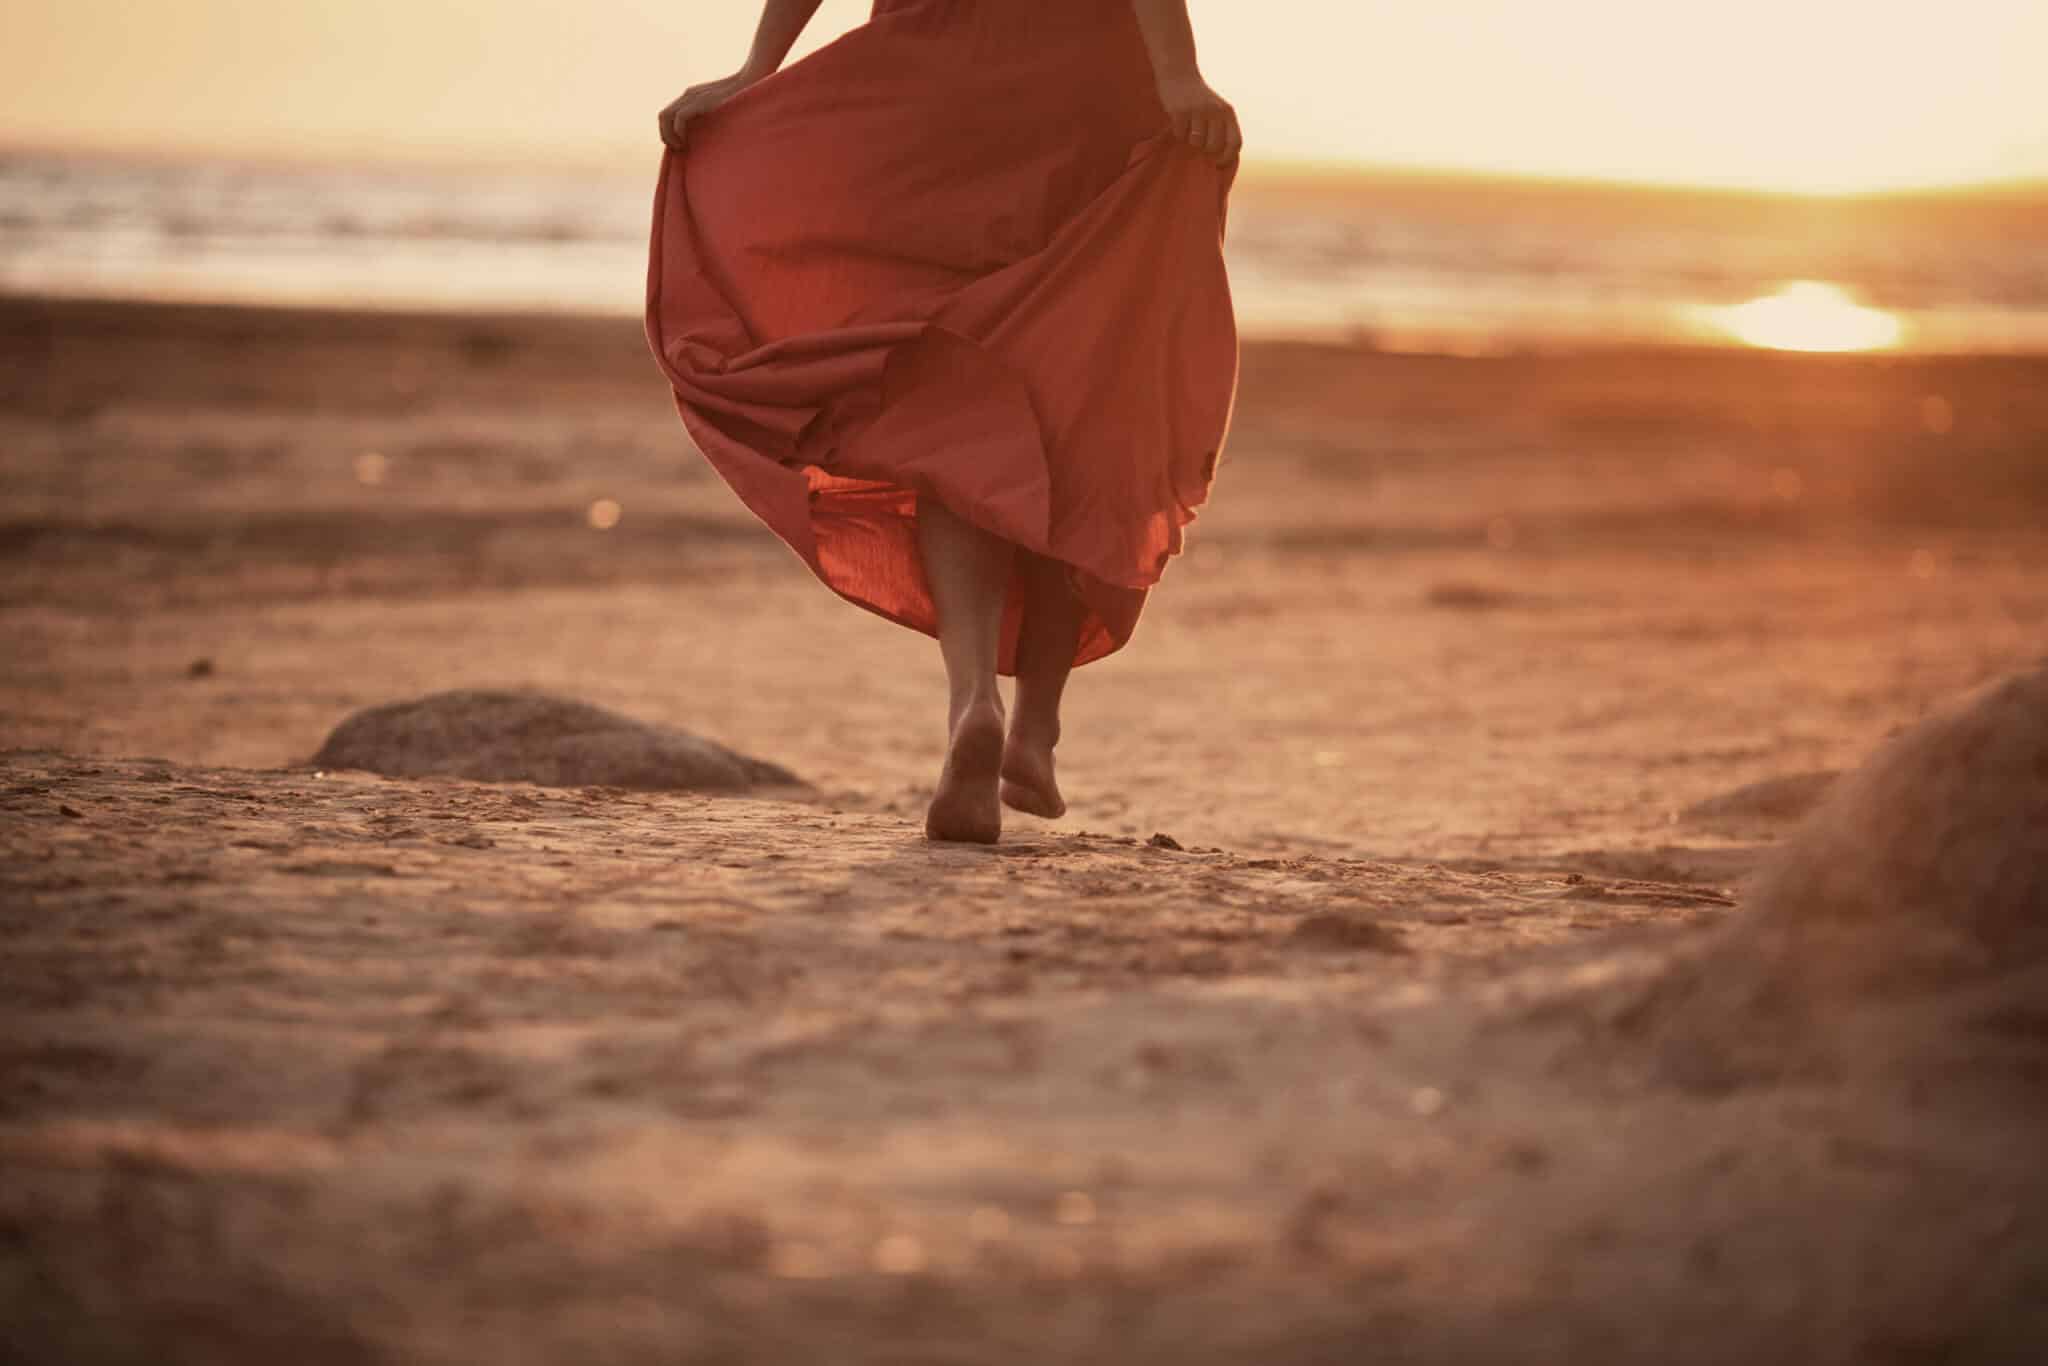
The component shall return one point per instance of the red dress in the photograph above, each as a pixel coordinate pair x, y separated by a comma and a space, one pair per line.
955, 254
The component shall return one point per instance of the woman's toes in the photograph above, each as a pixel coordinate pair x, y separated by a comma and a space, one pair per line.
1030, 800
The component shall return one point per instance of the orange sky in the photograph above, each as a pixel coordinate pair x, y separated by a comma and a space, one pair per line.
1783, 94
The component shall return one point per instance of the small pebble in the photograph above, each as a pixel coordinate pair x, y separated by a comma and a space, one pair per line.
1161, 840
1074, 1207
796, 1261
899, 1254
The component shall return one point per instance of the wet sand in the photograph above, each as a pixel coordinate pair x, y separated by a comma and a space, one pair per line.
1441, 710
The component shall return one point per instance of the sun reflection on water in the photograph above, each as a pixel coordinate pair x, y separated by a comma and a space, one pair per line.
1807, 315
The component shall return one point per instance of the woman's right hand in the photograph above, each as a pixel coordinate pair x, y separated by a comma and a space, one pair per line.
699, 99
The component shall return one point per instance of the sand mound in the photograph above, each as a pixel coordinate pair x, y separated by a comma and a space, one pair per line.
1921, 879
534, 737
1943, 833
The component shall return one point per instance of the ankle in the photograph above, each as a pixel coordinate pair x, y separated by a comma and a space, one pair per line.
1039, 732
962, 704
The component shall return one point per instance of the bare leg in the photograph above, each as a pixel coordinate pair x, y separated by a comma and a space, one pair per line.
1045, 656
969, 573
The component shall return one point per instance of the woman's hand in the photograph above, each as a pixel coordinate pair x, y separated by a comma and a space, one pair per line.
699, 99
1201, 118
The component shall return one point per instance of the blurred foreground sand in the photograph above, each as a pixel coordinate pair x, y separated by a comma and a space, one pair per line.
339, 1067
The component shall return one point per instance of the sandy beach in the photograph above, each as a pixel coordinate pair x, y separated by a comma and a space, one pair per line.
1482, 691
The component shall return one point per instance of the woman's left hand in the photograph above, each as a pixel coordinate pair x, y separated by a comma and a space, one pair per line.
1201, 118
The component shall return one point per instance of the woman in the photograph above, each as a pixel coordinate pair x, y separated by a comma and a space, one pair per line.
944, 303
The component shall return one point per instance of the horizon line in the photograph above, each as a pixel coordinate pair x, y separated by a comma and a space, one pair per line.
1271, 171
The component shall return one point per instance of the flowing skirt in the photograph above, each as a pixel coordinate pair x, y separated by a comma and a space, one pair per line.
955, 255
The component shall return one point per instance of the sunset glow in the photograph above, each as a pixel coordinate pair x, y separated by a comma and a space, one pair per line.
1813, 95
1808, 315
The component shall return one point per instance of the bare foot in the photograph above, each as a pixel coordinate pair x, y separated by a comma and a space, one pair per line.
966, 806
1028, 782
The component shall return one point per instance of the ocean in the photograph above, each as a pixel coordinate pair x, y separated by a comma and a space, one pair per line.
1401, 262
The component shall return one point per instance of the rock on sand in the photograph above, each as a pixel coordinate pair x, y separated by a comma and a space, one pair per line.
536, 737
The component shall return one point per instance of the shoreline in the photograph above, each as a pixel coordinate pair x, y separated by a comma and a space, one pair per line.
97, 310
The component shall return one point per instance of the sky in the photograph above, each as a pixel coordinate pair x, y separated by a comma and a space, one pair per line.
1800, 95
